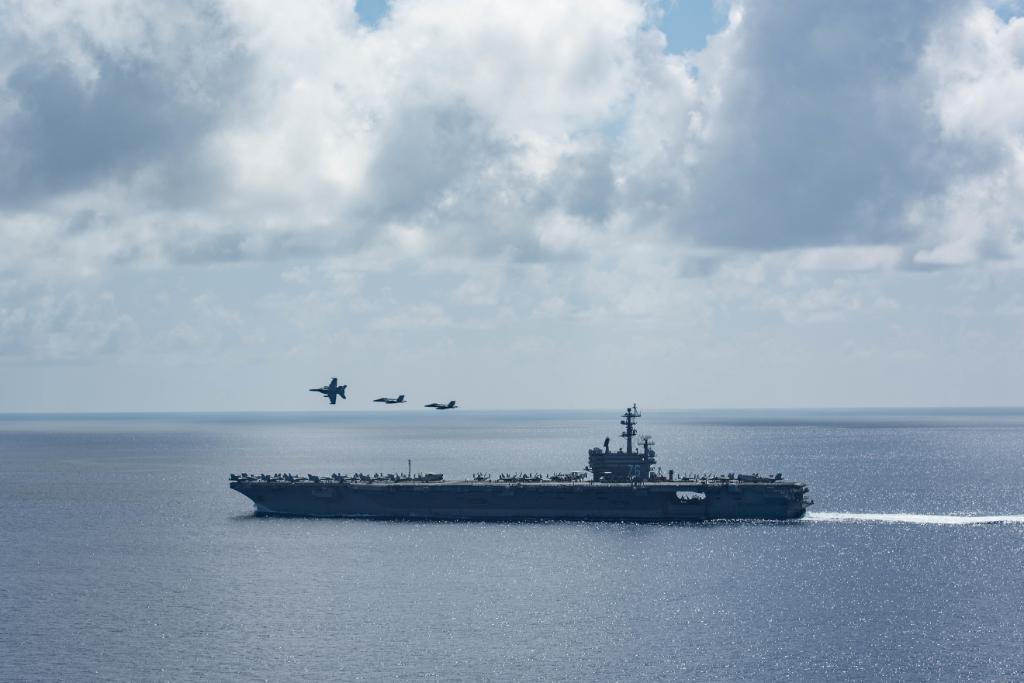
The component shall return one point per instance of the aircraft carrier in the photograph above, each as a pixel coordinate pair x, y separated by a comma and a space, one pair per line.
616, 486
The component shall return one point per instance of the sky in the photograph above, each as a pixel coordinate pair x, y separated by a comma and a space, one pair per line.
217, 205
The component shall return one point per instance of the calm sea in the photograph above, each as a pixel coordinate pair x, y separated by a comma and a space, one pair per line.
124, 555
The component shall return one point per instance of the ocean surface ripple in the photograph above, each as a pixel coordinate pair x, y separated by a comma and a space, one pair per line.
126, 557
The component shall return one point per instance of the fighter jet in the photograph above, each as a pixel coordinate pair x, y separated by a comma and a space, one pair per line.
332, 391
442, 406
390, 401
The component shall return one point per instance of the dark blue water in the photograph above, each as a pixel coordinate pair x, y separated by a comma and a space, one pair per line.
124, 555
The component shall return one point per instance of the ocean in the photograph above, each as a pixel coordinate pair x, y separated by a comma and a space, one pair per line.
124, 555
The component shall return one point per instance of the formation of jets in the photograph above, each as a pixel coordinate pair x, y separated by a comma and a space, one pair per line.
333, 390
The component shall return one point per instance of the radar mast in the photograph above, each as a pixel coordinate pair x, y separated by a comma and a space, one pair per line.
629, 422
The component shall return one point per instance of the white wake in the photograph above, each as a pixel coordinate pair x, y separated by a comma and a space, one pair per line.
902, 518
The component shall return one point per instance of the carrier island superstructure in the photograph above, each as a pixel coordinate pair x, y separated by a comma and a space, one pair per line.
619, 485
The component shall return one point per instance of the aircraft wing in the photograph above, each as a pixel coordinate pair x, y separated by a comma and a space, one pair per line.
333, 398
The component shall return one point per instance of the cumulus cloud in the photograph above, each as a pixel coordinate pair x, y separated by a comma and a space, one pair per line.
974, 65
248, 129
553, 156
96, 93
835, 125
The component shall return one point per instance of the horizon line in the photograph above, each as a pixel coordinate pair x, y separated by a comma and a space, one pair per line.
381, 410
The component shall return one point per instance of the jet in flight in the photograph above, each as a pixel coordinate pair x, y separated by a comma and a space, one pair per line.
442, 406
390, 401
332, 391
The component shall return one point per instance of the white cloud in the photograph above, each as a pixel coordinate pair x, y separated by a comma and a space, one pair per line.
538, 162
974, 66
255, 129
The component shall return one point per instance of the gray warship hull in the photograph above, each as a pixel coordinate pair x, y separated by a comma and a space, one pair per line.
678, 501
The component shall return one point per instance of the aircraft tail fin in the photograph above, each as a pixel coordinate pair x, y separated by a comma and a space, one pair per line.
341, 389
401, 397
